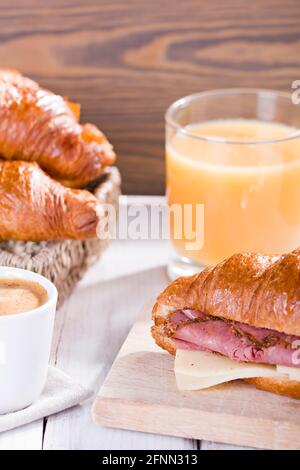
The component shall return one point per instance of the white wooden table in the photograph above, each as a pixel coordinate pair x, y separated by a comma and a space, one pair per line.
90, 329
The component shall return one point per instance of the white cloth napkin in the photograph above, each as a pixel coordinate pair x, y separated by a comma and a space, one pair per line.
61, 392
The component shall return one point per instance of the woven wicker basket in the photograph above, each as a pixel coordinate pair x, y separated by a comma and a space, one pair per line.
64, 263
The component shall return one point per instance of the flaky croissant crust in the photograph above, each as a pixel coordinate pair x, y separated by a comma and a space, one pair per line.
262, 291
34, 207
37, 125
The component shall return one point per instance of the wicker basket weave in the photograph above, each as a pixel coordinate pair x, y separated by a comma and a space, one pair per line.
64, 263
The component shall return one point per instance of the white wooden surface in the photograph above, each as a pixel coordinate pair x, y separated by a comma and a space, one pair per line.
141, 386
89, 331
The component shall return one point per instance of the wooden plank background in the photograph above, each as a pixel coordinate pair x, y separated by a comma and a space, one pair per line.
126, 61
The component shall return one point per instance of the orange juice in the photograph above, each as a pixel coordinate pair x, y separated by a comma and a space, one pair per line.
247, 175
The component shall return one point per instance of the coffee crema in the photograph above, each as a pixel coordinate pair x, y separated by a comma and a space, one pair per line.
20, 296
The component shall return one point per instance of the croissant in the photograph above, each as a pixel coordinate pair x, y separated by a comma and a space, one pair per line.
246, 308
34, 207
37, 125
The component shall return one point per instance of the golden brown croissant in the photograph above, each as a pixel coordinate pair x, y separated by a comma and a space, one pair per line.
262, 291
33, 207
37, 125
246, 308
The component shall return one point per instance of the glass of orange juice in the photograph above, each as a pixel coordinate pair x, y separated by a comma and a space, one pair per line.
233, 176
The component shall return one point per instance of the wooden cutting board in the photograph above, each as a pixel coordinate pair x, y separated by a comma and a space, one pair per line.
140, 394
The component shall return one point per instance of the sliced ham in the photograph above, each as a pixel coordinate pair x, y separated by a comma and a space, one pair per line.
238, 341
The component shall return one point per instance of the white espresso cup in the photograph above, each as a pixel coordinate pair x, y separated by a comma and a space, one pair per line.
25, 344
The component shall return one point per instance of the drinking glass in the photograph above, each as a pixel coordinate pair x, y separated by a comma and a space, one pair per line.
233, 176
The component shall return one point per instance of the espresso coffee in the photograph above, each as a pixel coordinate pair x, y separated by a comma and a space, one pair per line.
19, 295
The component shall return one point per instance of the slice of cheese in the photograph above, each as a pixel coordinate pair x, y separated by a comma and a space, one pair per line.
190, 382
292, 372
195, 370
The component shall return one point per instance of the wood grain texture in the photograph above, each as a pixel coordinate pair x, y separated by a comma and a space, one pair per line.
28, 437
141, 387
127, 61
89, 332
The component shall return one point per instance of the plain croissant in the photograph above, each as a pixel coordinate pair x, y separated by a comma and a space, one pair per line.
37, 125
33, 207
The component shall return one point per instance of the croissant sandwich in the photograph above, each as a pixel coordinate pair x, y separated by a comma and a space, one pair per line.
37, 125
33, 207
237, 320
